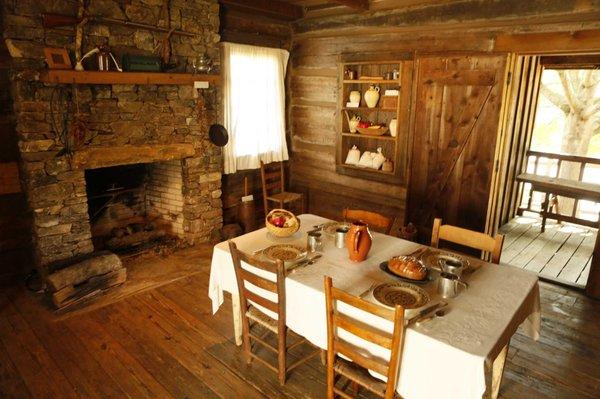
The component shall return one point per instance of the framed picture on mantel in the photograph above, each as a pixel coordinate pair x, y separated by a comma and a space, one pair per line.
57, 58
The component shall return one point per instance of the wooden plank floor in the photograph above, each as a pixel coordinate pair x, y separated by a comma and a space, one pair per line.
563, 253
165, 343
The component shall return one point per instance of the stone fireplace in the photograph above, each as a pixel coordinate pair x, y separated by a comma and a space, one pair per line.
163, 129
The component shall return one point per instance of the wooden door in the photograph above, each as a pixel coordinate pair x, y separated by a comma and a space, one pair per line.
456, 119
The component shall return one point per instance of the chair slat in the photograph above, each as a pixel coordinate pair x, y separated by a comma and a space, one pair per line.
468, 238
373, 219
263, 361
260, 264
362, 330
342, 393
258, 281
363, 361
263, 342
259, 300
272, 176
273, 185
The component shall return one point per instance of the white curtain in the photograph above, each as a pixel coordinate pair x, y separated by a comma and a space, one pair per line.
254, 105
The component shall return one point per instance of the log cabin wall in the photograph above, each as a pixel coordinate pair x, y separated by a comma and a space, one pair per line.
15, 243
243, 26
319, 43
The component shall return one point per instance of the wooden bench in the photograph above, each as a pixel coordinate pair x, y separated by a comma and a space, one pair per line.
564, 187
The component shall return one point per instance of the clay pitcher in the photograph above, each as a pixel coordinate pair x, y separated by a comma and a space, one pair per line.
358, 241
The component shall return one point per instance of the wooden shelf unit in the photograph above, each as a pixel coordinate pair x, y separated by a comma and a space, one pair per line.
393, 148
366, 136
60, 76
367, 109
372, 81
368, 170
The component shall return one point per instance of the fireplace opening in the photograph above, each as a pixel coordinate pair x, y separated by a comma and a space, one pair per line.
134, 206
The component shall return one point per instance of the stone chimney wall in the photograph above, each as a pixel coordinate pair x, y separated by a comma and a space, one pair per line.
116, 115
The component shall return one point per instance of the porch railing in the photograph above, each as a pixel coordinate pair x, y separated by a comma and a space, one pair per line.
549, 164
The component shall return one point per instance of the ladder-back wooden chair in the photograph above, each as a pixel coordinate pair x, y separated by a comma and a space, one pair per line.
468, 238
373, 219
252, 315
356, 370
273, 187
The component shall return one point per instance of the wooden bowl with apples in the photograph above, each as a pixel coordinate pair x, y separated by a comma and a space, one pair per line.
282, 223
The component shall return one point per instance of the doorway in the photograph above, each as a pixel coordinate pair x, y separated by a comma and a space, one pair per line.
561, 144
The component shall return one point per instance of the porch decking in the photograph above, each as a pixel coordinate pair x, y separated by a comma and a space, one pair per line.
563, 253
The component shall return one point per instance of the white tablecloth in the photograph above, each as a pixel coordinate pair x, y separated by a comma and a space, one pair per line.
443, 358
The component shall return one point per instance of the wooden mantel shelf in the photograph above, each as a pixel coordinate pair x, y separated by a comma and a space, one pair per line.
101, 157
132, 78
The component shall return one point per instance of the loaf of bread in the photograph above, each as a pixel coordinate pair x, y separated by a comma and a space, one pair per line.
407, 267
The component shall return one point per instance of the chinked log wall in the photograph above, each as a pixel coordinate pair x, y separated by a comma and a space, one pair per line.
317, 44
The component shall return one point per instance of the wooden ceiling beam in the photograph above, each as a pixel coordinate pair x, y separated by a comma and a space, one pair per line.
356, 4
273, 8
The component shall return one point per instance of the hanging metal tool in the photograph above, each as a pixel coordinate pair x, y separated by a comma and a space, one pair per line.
58, 20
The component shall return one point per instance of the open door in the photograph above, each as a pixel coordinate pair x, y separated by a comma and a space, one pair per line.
455, 129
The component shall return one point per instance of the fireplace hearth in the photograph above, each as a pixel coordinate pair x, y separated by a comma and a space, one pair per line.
134, 205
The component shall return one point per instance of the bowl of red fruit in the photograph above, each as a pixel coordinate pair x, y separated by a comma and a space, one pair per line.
282, 223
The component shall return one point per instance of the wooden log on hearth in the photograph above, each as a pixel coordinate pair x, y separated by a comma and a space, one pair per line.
131, 240
80, 272
72, 294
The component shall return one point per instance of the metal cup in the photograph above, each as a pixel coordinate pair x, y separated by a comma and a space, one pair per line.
451, 266
313, 241
448, 285
340, 237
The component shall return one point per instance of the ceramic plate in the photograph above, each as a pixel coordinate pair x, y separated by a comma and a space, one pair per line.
331, 227
400, 293
384, 266
288, 253
431, 259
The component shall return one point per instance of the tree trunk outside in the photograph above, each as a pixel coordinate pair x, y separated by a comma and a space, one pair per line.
579, 131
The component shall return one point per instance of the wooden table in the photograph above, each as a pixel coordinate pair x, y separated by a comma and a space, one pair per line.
564, 187
467, 347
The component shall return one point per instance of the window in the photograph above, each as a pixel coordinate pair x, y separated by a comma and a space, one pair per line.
254, 105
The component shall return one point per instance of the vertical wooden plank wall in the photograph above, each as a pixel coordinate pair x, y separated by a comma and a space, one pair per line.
521, 103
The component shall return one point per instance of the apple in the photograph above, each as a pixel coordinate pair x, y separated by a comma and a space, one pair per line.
278, 221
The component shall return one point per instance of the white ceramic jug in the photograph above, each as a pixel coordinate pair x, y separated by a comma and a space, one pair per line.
366, 160
353, 123
393, 127
378, 159
353, 156
371, 96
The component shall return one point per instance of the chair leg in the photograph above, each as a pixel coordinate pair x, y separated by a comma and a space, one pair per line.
246, 338
281, 354
330, 377
545, 207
